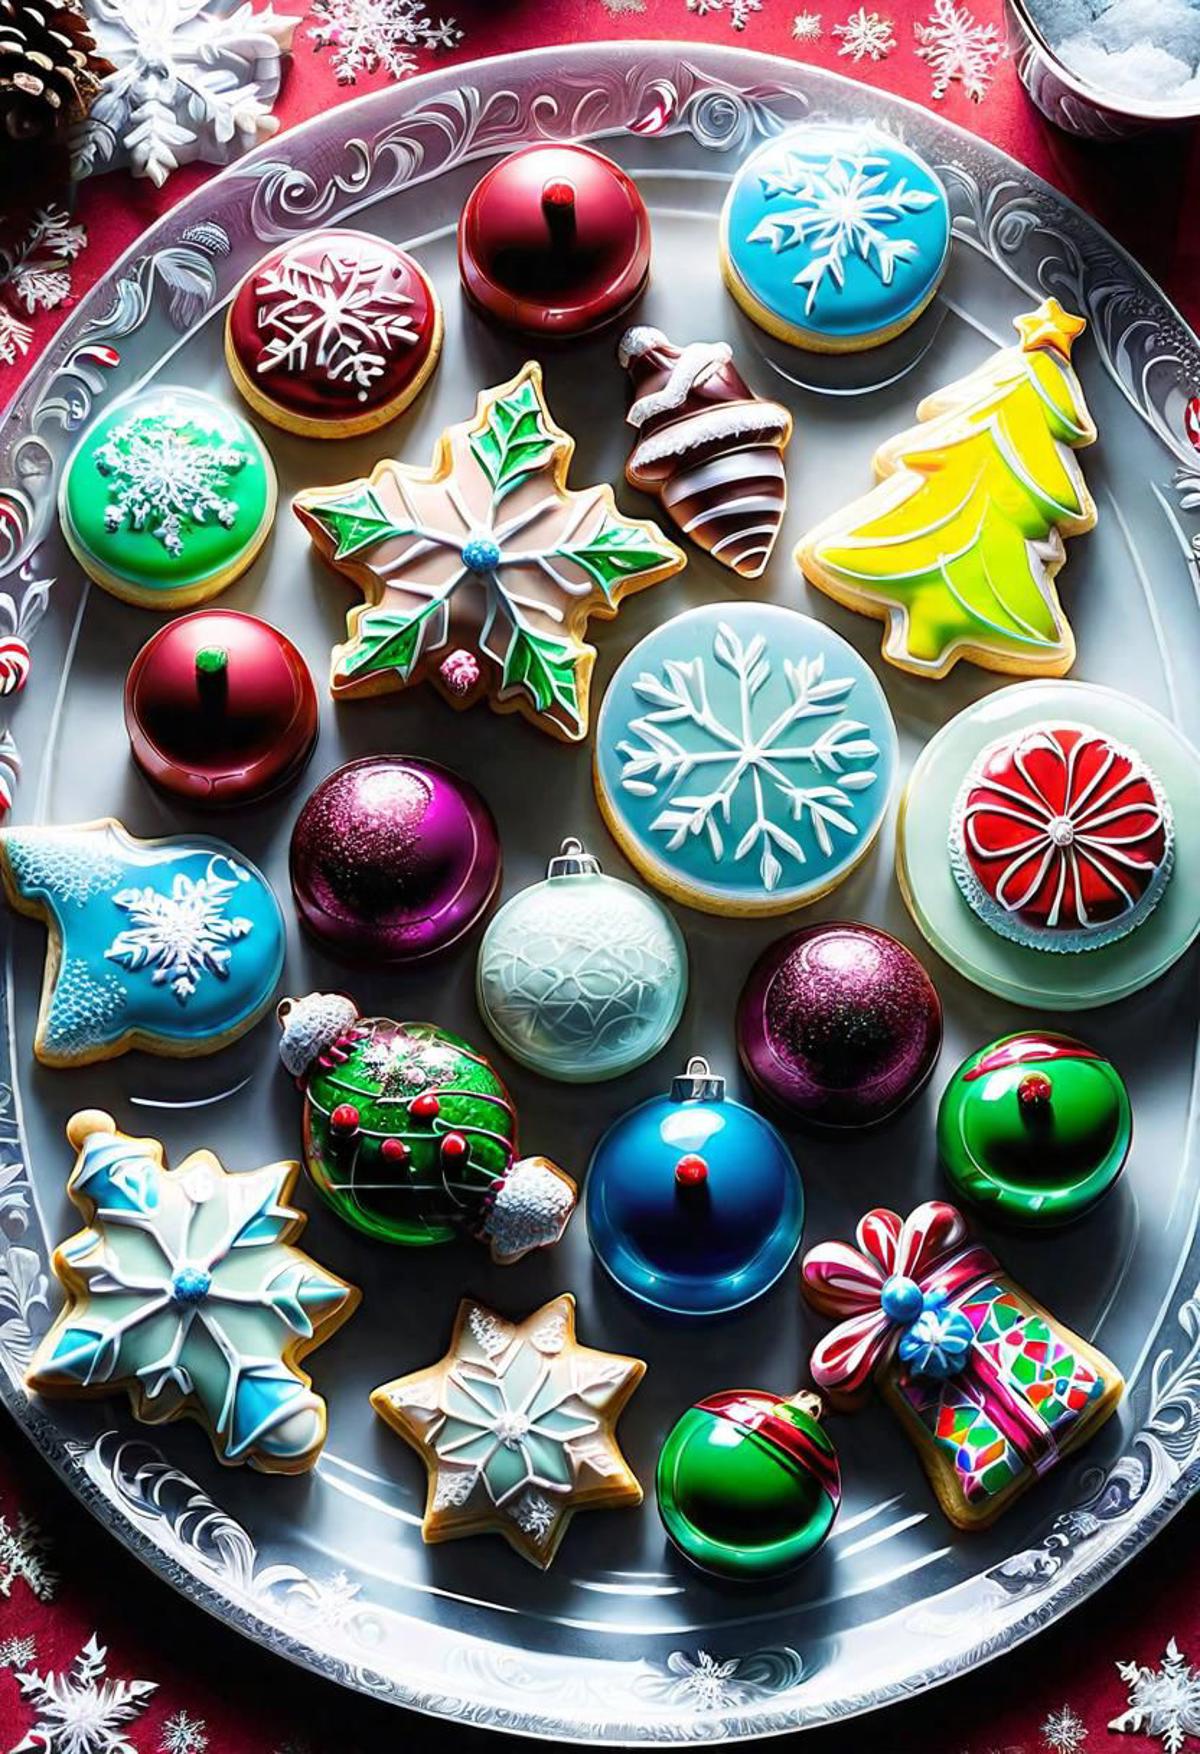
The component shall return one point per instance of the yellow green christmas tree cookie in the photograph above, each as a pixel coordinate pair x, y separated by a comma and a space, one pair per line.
958, 546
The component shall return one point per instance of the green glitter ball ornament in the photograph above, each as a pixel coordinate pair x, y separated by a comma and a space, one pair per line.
1035, 1128
410, 1135
749, 1484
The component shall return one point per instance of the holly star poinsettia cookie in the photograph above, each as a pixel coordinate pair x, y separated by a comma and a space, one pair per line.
185, 1290
958, 547
480, 573
516, 1426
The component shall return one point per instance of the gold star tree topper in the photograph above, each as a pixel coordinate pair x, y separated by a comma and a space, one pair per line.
480, 574
516, 1426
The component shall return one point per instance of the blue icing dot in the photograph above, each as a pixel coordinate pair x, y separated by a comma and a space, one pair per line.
745, 757
480, 554
901, 1299
190, 1286
837, 232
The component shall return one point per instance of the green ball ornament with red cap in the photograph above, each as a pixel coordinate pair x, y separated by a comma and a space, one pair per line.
748, 1483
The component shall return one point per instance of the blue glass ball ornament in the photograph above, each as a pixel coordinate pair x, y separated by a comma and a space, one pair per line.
694, 1202
582, 977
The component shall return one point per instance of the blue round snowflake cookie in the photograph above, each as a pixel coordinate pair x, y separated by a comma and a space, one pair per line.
834, 238
745, 756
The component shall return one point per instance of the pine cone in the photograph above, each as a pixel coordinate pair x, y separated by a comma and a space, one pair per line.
50, 72
709, 448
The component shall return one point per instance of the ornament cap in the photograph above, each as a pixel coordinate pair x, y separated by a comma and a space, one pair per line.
531, 1210
311, 1026
573, 860
698, 1083
212, 662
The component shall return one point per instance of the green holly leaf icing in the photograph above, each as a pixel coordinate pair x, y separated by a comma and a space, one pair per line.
388, 639
515, 439
616, 552
356, 522
546, 669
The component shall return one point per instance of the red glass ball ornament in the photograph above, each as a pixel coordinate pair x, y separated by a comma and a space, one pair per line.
394, 1151
425, 1107
554, 240
220, 708
344, 1118
1034, 1090
691, 1171
454, 1147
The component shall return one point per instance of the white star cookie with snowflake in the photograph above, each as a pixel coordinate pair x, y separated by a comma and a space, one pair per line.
516, 1426
172, 945
745, 756
184, 1290
480, 574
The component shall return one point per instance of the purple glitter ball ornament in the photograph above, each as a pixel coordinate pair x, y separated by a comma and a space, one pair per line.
393, 859
839, 1025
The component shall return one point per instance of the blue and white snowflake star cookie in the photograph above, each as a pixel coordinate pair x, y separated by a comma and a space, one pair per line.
834, 238
167, 497
745, 756
173, 945
185, 1290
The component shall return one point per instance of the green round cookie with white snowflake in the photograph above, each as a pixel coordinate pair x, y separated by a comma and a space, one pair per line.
167, 498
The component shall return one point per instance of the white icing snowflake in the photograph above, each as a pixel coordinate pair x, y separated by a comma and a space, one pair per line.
23, 1558
81, 1710
184, 935
15, 337
190, 80
702, 1682
370, 36
182, 1734
163, 471
534, 1515
843, 204
1064, 1732
17, 1653
334, 317
956, 47
866, 35
1163, 1702
35, 275
806, 27
750, 752
738, 10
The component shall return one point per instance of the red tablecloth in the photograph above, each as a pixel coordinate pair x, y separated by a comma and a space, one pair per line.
207, 1692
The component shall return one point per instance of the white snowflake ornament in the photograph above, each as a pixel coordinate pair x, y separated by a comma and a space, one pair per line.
183, 1734
81, 1710
866, 36
806, 27
24, 1554
35, 274
1163, 1702
957, 48
189, 81
373, 36
1064, 1731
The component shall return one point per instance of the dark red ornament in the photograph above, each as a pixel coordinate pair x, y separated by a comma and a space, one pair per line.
333, 333
344, 1118
394, 1151
425, 1107
220, 708
1034, 1090
838, 1025
393, 859
454, 1147
554, 240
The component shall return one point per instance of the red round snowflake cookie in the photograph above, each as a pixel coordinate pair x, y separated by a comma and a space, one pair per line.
1061, 838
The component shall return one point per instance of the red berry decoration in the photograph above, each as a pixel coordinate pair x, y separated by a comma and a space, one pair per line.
454, 1147
425, 1107
344, 1118
1062, 839
691, 1170
394, 1151
1034, 1090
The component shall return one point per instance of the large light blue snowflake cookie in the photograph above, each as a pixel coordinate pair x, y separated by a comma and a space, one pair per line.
172, 945
185, 1291
745, 756
834, 238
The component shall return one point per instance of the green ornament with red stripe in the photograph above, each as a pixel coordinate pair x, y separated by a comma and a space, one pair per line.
1035, 1128
411, 1136
748, 1483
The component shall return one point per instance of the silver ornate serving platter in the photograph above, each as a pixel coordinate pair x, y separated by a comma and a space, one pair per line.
619, 1642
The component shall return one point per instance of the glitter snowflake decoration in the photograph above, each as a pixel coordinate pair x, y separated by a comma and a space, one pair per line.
182, 1734
165, 473
334, 317
185, 935
81, 1710
957, 48
737, 11
1163, 1702
866, 36
806, 27
752, 754
17, 1653
372, 36
1064, 1732
191, 79
842, 208
35, 275
24, 1552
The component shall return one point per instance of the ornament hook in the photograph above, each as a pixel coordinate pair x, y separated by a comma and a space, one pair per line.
573, 860
698, 1083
